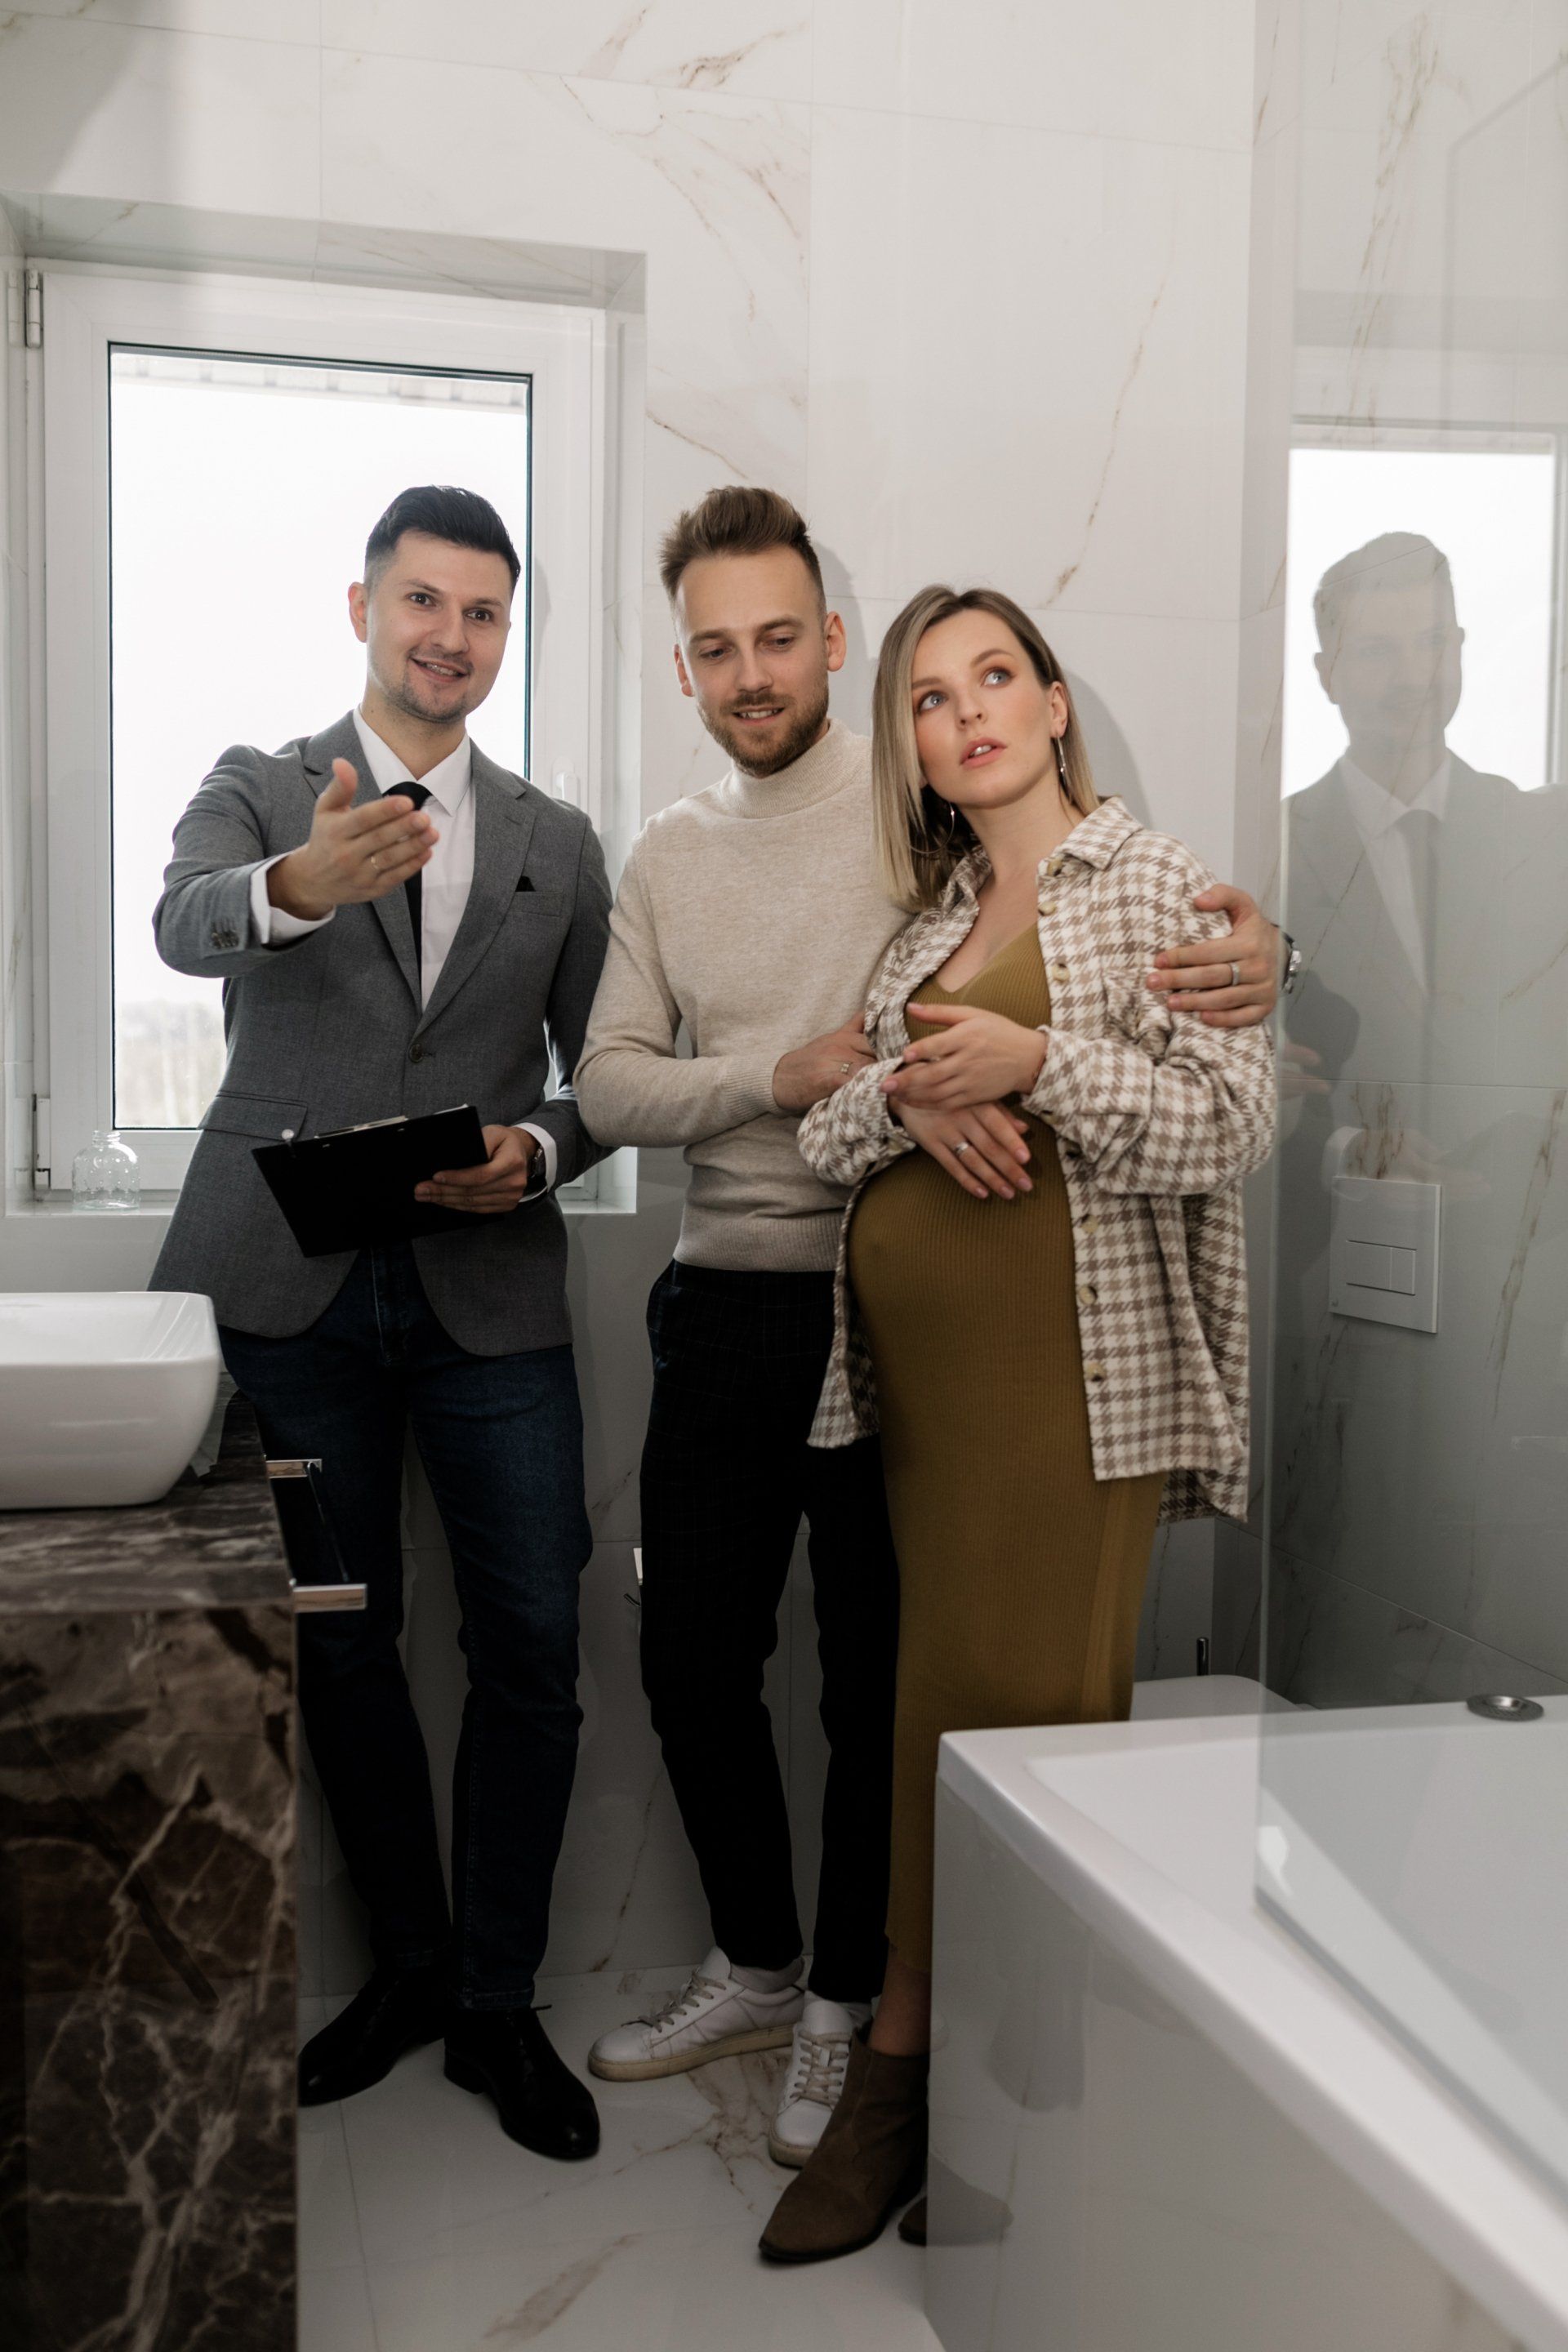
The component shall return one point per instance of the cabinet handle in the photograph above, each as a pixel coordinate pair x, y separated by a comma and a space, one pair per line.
315, 1600
321, 1600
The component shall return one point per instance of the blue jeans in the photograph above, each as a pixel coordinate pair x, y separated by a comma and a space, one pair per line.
501, 1440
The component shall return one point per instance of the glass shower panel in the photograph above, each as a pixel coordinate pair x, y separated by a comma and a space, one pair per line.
1417, 1553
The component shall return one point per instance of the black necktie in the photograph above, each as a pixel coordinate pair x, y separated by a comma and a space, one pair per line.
413, 887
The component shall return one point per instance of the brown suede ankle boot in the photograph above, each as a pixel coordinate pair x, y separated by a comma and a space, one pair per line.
869, 2161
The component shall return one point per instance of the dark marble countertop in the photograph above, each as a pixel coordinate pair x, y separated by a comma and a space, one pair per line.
210, 1543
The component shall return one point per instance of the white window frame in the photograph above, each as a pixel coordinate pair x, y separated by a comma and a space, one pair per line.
86, 311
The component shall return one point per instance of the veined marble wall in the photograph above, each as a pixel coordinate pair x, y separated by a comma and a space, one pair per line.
969, 284
1420, 1480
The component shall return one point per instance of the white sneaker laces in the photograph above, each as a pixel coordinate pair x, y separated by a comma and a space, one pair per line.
820, 2064
697, 1989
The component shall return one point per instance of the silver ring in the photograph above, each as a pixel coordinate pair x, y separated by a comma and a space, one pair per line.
845, 1066
1236, 975
960, 1149
374, 865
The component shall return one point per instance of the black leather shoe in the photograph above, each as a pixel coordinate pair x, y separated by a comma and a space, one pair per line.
505, 2054
396, 2010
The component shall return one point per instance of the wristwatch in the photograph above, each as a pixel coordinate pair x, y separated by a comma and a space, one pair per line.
1293, 962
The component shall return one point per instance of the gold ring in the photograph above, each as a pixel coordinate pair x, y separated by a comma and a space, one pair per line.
375, 863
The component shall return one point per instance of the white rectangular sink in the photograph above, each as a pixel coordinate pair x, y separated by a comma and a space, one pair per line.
104, 1394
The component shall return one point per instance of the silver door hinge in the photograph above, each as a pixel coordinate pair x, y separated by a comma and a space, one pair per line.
33, 308
43, 1172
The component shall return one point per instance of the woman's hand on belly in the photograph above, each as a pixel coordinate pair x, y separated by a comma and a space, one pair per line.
979, 1057
983, 1148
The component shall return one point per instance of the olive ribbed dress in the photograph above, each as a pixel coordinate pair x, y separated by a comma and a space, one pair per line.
1021, 1577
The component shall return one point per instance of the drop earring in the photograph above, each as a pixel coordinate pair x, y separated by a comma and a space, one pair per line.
1061, 763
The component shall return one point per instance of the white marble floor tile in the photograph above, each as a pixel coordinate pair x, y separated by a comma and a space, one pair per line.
423, 2230
435, 2177
335, 2313
328, 2226
674, 2291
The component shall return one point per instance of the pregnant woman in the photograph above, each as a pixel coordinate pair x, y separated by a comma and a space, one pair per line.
1045, 1308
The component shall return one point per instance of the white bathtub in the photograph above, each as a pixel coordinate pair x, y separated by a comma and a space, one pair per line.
1158, 2124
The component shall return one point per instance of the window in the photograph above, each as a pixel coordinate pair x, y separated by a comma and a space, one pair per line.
1489, 502
215, 452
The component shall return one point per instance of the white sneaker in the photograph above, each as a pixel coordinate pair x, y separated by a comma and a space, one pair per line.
816, 2076
712, 2016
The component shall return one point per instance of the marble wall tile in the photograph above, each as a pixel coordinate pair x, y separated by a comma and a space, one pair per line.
1178, 1601
1333, 1643
1237, 1601
1056, 404
712, 188
157, 236
752, 48
1156, 698
614, 1262
1121, 73
1259, 711
1410, 74
1433, 146
280, 20
1271, 366
1276, 67
172, 118
1395, 1450
626, 1892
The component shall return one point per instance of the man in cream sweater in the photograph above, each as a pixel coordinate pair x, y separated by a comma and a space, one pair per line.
754, 914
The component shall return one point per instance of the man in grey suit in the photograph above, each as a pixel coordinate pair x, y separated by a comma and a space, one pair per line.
400, 926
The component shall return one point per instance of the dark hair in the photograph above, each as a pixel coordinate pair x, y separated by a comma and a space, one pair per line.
1399, 559
441, 511
735, 521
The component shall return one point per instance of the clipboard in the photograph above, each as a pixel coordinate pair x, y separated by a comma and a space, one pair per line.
354, 1188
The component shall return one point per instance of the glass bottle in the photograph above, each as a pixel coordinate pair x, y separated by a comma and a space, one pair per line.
104, 1174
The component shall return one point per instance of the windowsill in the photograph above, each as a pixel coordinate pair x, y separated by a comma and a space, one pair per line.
157, 1208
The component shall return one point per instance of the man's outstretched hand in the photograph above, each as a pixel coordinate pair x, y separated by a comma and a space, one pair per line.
496, 1185
353, 854
1198, 982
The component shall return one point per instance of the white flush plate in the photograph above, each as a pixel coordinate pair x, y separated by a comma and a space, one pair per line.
1383, 1250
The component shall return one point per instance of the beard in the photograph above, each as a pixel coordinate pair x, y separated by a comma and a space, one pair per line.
408, 695
800, 733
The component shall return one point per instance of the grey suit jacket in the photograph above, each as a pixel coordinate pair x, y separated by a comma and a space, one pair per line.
329, 1031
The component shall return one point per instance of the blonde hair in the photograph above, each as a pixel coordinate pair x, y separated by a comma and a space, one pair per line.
918, 840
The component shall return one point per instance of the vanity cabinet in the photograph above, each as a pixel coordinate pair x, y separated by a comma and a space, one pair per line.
147, 1921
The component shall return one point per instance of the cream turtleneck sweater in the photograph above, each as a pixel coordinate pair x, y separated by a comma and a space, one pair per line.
754, 914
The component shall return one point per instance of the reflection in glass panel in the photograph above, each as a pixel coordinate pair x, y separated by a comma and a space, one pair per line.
1492, 514
1417, 1505
242, 492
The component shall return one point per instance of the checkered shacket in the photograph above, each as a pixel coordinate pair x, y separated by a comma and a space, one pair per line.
1157, 1119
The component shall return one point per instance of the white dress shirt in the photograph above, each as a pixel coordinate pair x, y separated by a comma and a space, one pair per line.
444, 882
1377, 812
